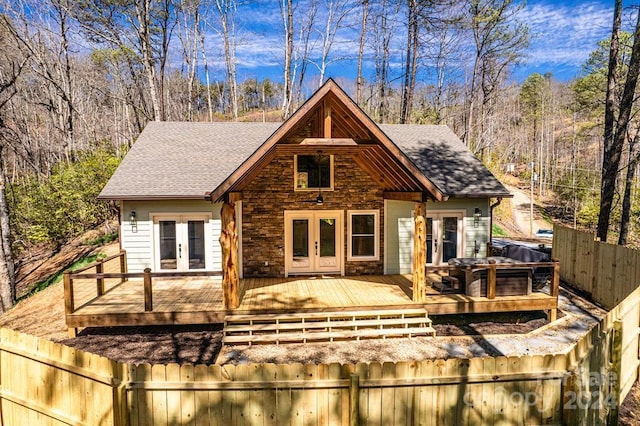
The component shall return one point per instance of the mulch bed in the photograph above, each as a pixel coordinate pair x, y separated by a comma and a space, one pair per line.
198, 344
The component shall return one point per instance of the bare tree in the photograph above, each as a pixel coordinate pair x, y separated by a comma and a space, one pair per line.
336, 14
363, 32
614, 143
12, 63
498, 40
226, 10
286, 10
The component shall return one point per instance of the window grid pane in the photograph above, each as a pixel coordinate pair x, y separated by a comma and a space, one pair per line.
363, 235
313, 171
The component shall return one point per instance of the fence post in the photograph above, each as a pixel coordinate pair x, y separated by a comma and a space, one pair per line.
570, 393
491, 279
616, 370
123, 264
354, 400
148, 297
99, 280
119, 393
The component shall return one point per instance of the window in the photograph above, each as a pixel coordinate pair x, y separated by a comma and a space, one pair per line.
363, 235
313, 171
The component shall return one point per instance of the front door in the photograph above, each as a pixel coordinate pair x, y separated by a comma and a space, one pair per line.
444, 237
313, 242
180, 243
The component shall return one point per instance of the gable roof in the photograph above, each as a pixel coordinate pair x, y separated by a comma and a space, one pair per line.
183, 160
383, 151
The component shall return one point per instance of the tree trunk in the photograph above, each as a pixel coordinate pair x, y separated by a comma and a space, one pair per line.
229, 244
613, 146
148, 62
226, 8
628, 185
287, 18
411, 62
7, 277
359, 82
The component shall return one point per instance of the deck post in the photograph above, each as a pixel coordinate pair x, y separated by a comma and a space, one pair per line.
99, 281
491, 279
123, 264
68, 300
148, 296
68, 292
419, 252
229, 244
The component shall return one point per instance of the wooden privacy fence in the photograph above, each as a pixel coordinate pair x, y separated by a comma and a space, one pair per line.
610, 274
607, 272
47, 383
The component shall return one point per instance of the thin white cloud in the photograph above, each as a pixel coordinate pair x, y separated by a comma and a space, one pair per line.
565, 35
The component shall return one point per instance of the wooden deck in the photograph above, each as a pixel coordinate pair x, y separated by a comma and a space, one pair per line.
198, 300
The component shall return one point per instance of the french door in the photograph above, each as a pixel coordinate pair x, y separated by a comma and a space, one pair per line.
313, 242
180, 242
444, 237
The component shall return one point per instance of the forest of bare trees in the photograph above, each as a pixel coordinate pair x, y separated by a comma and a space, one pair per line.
79, 77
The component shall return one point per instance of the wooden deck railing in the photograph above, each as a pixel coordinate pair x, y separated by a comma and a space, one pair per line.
100, 276
492, 267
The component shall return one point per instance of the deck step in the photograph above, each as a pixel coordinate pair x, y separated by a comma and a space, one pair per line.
326, 326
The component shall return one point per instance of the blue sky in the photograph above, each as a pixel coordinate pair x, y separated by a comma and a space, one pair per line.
564, 32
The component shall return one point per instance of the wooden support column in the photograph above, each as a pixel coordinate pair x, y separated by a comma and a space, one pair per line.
419, 252
229, 245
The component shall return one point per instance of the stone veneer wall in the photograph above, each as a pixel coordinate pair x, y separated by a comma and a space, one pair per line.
267, 197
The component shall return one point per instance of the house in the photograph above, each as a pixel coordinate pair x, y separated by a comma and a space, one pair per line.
326, 192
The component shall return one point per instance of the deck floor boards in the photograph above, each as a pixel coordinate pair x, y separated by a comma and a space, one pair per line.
203, 297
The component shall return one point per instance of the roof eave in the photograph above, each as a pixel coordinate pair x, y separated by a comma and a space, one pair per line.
131, 197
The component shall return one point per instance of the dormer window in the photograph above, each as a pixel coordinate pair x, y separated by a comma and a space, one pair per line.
313, 171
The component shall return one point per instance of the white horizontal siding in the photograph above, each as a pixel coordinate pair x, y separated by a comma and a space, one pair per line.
399, 228
138, 240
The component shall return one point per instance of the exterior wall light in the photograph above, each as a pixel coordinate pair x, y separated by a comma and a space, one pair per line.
476, 217
133, 222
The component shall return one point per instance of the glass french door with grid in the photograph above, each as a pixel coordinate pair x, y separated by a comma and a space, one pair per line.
180, 243
444, 237
313, 242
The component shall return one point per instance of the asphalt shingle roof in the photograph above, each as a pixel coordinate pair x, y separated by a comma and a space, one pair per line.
184, 159
174, 160
445, 160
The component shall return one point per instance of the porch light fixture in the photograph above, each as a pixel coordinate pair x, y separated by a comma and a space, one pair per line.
476, 217
133, 222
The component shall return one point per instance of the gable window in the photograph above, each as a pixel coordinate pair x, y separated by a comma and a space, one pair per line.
313, 171
363, 231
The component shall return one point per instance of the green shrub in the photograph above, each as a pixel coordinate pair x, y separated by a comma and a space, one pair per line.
64, 205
